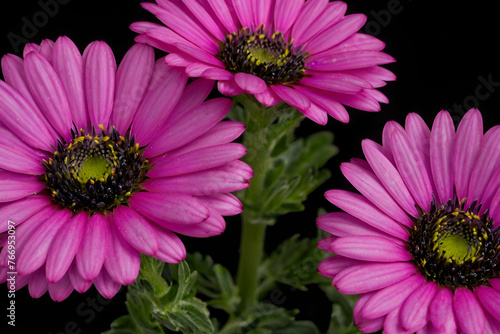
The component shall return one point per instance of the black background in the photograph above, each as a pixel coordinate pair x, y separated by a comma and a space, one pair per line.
445, 52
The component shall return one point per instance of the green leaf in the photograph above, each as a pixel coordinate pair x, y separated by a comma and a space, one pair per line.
157, 306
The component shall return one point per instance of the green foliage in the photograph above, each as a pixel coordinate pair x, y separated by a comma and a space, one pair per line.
156, 306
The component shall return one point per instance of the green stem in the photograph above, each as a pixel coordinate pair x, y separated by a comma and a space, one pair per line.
252, 244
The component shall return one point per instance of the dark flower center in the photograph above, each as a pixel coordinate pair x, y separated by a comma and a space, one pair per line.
270, 58
455, 247
95, 173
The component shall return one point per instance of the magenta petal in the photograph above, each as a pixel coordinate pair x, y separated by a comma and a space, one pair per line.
48, 92
414, 318
285, 13
292, 97
441, 146
16, 186
335, 264
156, 105
336, 81
368, 184
106, 286
170, 247
393, 324
189, 126
244, 11
132, 78
34, 256
64, 247
489, 298
229, 88
389, 176
391, 297
136, 230
100, 71
174, 208
20, 210
37, 283
370, 248
21, 119
327, 101
213, 225
325, 243
308, 14
350, 60
267, 98
412, 169
467, 143
193, 95
225, 204
361, 208
469, 312
495, 283
16, 156
81, 285
225, 15
94, 247
205, 18
372, 276
441, 311
250, 83
123, 261
60, 290
68, 64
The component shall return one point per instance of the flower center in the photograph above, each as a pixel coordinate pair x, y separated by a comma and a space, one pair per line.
270, 58
455, 247
95, 173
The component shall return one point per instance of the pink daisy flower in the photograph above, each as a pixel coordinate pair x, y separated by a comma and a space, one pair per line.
307, 54
421, 243
99, 164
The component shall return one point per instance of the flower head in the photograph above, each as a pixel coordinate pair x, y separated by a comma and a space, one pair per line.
421, 243
307, 54
100, 164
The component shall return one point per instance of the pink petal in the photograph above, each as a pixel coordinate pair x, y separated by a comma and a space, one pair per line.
123, 261
37, 283
261, 11
106, 286
322, 20
309, 13
20, 210
335, 34
225, 204
46, 49
213, 225
156, 105
391, 297
197, 160
467, 143
393, 323
349, 60
193, 95
441, 311
94, 247
34, 256
285, 13
250, 83
132, 79
190, 126
373, 276
325, 100
389, 176
362, 101
335, 81
170, 247
229, 88
202, 183
99, 73
361, 208
205, 18
489, 298
225, 15
21, 119
469, 312
368, 184
292, 97
217, 74
60, 290
331, 266
414, 318
326, 243
441, 146
64, 247
68, 64
370, 248
267, 97
412, 169
175, 208
136, 230
77, 280
221, 133
244, 10
16, 186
